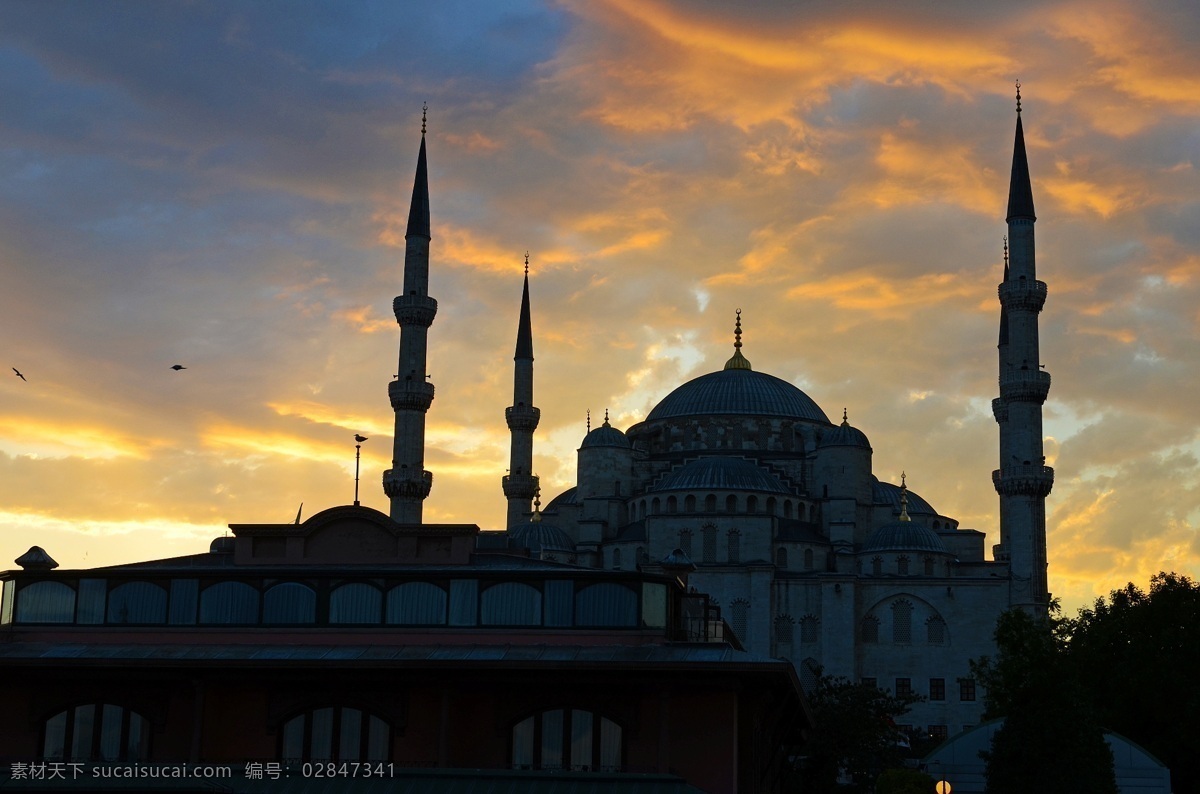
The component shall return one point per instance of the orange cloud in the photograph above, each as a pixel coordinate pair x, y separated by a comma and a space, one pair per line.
29, 435
888, 297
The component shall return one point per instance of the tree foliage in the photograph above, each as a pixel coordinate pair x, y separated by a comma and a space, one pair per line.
1137, 654
1051, 739
855, 732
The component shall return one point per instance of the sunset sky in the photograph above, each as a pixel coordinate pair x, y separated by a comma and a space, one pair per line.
224, 185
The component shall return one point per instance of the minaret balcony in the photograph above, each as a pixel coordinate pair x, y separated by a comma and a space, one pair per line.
1024, 385
414, 310
1000, 410
405, 483
1022, 295
519, 486
410, 395
522, 417
1023, 480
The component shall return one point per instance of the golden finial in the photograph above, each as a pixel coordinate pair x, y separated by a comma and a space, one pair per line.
903, 499
845, 418
738, 361
589, 420
537, 502
527, 263
1018, 96
1006, 251
424, 112
606, 424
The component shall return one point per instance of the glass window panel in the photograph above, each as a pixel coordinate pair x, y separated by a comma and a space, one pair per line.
46, 602
184, 595
90, 607
606, 604
137, 602
290, 602
522, 738
654, 605
139, 738
581, 739
511, 604
552, 739
54, 741
350, 735
417, 604
83, 730
110, 732
464, 600
355, 603
293, 739
378, 735
737, 621
560, 598
229, 602
808, 629
902, 621
610, 746
321, 744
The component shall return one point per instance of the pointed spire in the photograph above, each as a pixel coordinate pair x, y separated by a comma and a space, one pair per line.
903, 499
525, 327
418, 211
589, 420
1020, 194
738, 361
845, 418
606, 424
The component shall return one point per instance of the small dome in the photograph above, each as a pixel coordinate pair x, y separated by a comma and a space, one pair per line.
538, 536
221, 545
605, 436
844, 435
884, 493
905, 536
720, 474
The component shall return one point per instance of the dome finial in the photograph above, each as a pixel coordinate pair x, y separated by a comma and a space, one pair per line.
1006, 252
1018, 96
589, 420
424, 113
537, 502
606, 424
903, 499
738, 361
527, 263
845, 418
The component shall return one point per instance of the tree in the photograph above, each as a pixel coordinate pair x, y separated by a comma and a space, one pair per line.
904, 781
854, 732
1051, 739
1137, 654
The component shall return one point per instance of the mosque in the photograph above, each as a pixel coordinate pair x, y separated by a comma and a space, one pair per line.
810, 556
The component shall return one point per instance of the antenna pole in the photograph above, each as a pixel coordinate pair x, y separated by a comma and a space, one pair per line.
357, 452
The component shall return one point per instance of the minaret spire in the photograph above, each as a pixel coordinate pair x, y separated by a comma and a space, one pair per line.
520, 484
1023, 480
407, 483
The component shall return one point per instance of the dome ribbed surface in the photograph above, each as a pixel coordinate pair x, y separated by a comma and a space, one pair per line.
904, 536
720, 474
884, 493
845, 435
605, 436
739, 392
539, 536
567, 497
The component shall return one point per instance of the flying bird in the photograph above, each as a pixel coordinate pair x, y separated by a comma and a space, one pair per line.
177, 367
19, 375
359, 438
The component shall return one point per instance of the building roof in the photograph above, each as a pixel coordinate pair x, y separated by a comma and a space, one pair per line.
605, 436
904, 536
538, 536
719, 473
567, 497
738, 392
884, 493
845, 435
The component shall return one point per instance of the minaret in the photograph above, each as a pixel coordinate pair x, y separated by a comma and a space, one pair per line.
520, 485
407, 483
1023, 480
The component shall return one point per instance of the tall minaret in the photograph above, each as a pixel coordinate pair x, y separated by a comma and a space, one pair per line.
520, 485
1023, 479
407, 483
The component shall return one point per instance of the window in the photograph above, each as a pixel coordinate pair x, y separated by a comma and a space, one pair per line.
672, 504
710, 503
572, 739
335, 733
738, 611
96, 731
45, 602
710, 543
685, 541
808, 559
751, 504
902, 621
871, 682
357, 602
606, 604
229, 602
870, 629
781, 557
903, 687
784, 628
510, 604
938, 733
416, 604
877, 566
731, 504
735, 545
616, 558
808, 629
902, 565
689, 504
290, 602
641, 555
137, 602
929, 566
966, 689
937, 689
935, 630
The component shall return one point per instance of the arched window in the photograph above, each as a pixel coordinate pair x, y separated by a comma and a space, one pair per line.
709, 552
787, 508
96, 732
335, 733
689, 504
510, 604
781, 557
357, 602
877, 566
45, 602
735, 546
685, 541
606, 604
416, 604
902, 565
672, 504
738, 613
751, 504
784, 629
290, 602
654, 503
771, 505
641, 555
808, 629
137, 602
808, 559
731, 504
870, 629
616, 558
229, 602
935, 629
929, 566
936, 526
710, 503
573, 739
902, 621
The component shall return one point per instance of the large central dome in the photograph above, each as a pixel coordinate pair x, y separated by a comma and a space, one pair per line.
738, 392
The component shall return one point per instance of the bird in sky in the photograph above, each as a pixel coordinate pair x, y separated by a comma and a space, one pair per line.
19, 375
177, 367
359, 438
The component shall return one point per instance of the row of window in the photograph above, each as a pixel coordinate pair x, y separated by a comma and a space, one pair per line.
936, 691
902, 628
770, 505
460, 602
904, 566
556, 739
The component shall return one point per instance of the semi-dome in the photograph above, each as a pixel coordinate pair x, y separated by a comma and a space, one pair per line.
738, 392
905, 536
720, 474
567, 497
538, 536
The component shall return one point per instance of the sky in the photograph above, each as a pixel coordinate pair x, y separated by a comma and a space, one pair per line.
225, 185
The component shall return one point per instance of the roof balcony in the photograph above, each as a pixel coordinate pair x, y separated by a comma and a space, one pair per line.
1024, 385
414, 310
410, 394
1023, 480
1022, 295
